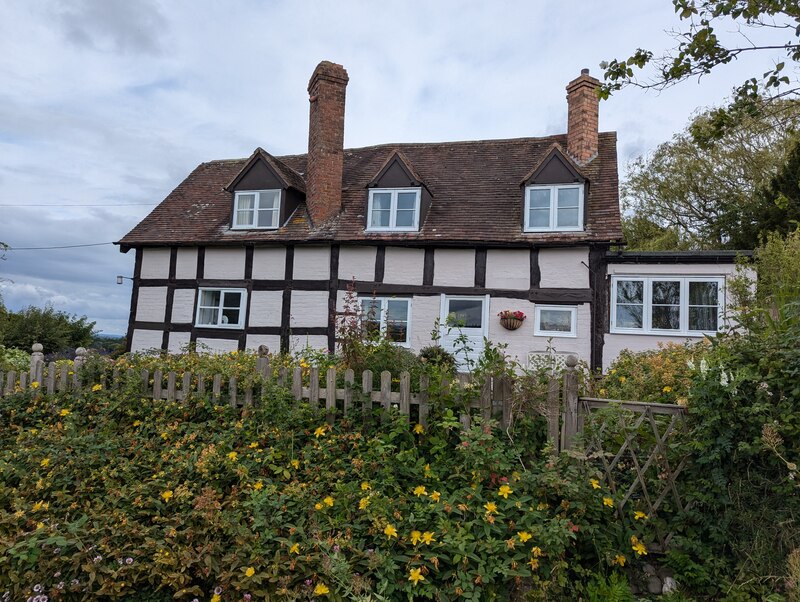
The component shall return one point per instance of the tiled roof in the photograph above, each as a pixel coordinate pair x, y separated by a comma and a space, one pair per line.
476, 191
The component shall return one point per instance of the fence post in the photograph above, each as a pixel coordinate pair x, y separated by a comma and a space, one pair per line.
80, 359
570, 428
37, 359
553, 412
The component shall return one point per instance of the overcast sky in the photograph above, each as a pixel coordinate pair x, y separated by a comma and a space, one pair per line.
113, 102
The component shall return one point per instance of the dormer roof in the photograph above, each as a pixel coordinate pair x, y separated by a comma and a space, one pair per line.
288, 176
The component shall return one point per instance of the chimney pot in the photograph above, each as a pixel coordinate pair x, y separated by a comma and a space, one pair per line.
584, 71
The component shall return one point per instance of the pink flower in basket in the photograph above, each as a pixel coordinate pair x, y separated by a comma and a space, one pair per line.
507, 313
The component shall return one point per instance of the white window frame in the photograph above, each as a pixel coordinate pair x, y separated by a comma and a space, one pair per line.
537, 315
647, 304
393, 210
253, 225
242, 307
383, 318
553, 227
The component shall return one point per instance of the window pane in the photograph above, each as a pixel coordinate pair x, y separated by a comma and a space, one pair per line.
382, 200
232, 300
466, 313
703, 293
568, 197
269, 199
555, 320
629, 316
539, 218
397, 310
397, 331
703, 318
246, 201
630, 291
540, 198
666, 292
371, 307
230, 316
406, 200
380, 219
567, 218
404, 219
207, 316
268, 218
666, 317
210, 298
244, 218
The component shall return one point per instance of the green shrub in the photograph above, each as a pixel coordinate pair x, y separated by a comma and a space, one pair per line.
14, 359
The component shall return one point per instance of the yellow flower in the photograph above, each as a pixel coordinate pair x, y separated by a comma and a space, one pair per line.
491, 507
534, 562
420, 490
45, 463
536, 551
622, 380
415, 576
318, 506
35, 384
294, 548
542, 506
250, 572
253, 445
637, 546
167, 495
40, 505
504, 491
320, 430
321, 589
390, 531
603, 392
613, 371
215, 598
363, 503
258, 485
365, 486
416, 537
64, 412
595, 483
435, 495
524, 536
40, 525
619, 559
97, 387
232, 456
137, 423
428, 537
667, 389
607, 501
328, 501
639, 515
295, 464
419, 429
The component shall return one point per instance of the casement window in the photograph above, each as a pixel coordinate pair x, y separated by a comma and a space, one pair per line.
555, 321
256, 209
389, 317
221, 307
554, 208
688, 305
393, 210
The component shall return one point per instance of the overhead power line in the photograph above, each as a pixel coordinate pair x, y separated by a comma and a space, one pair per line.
94, 244
78, 205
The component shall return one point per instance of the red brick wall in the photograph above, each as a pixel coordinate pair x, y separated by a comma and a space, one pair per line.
582, 113
326, 91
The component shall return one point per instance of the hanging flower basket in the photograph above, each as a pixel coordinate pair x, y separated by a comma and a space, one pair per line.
511, 320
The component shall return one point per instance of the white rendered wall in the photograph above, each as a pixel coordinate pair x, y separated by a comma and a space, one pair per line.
155, 263
312, 263
562, 268
454, 267
269, 263
178, 341
265, 308
403, 265
315, 341
508, 268
145, 340
224, 264
309, 309
672, 269
186, 263
183, 306
357, 262
152, 304
218, 345
424, 312
272, 341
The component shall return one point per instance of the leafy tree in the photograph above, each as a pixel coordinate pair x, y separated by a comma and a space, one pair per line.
700, 50
55, 330
716, 191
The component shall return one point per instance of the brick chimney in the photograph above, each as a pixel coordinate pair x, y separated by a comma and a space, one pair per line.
582, 112
326, 91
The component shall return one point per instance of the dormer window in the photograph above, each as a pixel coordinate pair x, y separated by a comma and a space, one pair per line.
554, 208
393, 210
257, 209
